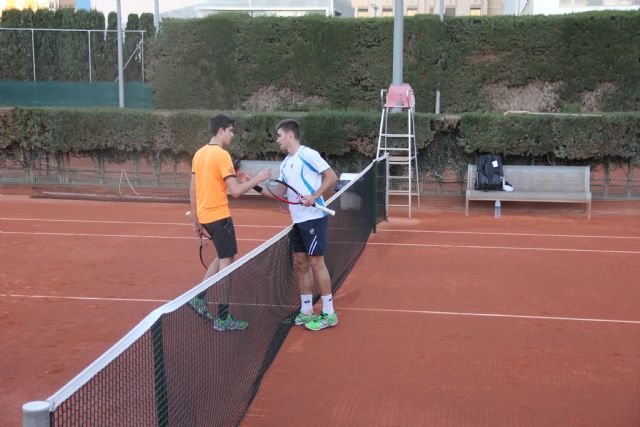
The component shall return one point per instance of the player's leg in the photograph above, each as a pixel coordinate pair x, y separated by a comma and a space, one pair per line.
305, 278
316, 248
199, 302
227, 247
214, 267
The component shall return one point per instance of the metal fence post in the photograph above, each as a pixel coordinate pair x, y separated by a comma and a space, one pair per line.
89, 39
33, 54
142, 55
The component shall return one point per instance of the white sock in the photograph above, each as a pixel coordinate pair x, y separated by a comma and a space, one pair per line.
327, 304
306, 304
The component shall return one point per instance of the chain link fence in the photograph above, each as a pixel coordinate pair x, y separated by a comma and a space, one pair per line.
442, 170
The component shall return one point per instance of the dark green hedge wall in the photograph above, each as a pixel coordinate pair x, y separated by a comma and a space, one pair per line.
64, 55
116, 134
226, 61
221, 61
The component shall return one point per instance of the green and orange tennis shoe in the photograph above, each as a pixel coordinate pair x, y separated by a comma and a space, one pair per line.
229, 324
303, 319
199, 305
323, 321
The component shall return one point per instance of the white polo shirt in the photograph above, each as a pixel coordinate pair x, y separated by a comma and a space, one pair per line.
302, 171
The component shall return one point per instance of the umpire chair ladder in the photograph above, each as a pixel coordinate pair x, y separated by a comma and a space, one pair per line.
400, 147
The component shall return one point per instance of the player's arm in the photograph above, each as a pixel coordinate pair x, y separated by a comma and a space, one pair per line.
238, 188
194, 209
329, 180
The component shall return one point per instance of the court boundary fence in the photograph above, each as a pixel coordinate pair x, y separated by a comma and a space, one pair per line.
166, 178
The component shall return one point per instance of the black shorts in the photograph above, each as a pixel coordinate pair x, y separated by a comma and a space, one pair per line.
224, 237
310, 236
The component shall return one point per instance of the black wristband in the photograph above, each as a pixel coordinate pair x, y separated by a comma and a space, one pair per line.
258, 188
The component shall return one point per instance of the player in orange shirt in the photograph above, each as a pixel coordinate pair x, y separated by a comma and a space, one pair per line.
212, 174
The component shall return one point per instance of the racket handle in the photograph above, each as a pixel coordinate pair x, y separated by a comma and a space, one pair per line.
193, 221
324, 209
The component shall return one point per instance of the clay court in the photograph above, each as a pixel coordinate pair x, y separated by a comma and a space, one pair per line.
446, 320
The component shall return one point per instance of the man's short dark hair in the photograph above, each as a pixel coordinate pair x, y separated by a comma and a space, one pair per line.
290, 125
218, 122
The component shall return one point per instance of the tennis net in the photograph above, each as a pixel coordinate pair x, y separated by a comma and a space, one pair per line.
173, 369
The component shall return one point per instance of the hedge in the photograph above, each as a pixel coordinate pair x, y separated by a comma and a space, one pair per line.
118, 135
63, 56
225, 61
587, 61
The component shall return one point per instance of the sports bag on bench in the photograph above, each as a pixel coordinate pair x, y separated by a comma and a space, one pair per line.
489, 172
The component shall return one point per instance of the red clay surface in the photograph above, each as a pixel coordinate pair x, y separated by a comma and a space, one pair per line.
54, 250
446, 320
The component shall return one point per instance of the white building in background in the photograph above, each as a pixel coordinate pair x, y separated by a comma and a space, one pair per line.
561, 7
264, 8
385, 8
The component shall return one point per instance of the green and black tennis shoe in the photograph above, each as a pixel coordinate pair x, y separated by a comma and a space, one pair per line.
199, 305
303, 319
229, 324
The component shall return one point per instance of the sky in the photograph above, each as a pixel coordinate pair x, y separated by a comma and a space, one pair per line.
139, 6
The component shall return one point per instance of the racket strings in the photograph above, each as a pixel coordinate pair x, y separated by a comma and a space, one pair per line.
290, 196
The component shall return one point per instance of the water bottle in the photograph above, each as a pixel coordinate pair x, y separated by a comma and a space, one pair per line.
497, 211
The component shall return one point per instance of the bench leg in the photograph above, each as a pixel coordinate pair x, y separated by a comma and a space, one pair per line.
466, 207
589, 210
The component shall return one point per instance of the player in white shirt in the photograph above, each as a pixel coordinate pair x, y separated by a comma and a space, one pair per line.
306, 171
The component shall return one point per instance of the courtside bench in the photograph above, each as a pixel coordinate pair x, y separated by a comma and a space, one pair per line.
560, 184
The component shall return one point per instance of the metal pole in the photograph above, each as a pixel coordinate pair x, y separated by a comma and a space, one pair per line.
142, 55
33, 55
120, 61
89, 39
438, 90
398, 40
156, 16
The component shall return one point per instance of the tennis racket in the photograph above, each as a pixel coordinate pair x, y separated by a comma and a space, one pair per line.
295, 198
206, 250
236, 162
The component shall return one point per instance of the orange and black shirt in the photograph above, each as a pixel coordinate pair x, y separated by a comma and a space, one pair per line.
211, 165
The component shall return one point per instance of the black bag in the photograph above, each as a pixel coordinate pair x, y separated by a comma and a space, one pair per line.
489, 172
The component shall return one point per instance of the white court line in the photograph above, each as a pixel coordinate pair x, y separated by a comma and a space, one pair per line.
423, 245
91, 221
482, 233
128, 236
370, 310
508, 316
511, 248
83, 298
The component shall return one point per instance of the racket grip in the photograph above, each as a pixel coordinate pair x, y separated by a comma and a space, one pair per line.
324, 209
193, 221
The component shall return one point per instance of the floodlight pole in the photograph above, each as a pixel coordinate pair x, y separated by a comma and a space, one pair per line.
398, 41
438, 90
120, 60
156, 16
